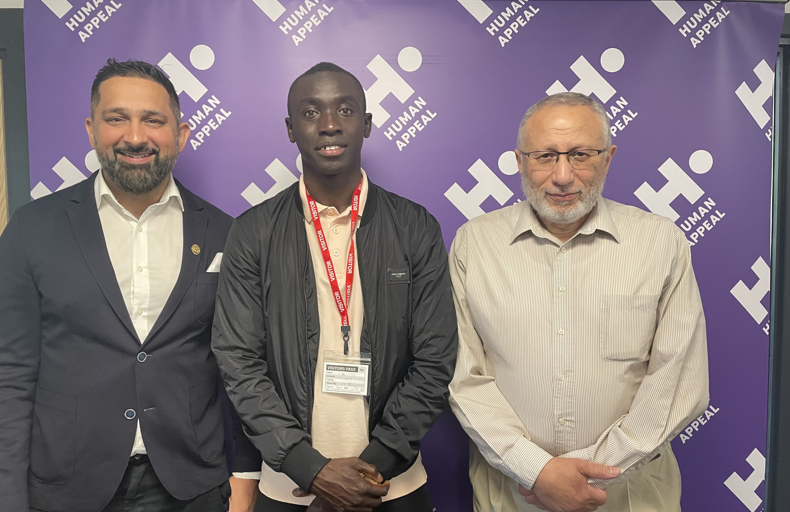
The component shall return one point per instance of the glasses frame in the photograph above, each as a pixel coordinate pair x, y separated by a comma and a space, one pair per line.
598, 152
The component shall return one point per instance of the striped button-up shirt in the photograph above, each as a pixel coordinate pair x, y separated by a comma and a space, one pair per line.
593, 349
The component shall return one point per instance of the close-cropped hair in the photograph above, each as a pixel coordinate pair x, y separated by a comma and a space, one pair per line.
570, 99
326, 66
134, 69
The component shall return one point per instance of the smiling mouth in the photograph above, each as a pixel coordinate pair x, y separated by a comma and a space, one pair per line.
563, 198
136, 156
331, 150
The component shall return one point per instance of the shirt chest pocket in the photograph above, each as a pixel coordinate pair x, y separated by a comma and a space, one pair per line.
627, 326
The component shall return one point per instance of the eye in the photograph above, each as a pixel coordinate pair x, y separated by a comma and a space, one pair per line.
155, 121
546, 157
581, 155
310, 113
346, 111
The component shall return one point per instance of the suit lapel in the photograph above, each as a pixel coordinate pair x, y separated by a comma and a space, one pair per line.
195, 224
90, 237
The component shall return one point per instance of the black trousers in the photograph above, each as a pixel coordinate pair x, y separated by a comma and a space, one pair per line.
141, 491
417, 501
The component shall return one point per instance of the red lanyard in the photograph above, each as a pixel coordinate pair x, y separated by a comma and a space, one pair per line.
342, 306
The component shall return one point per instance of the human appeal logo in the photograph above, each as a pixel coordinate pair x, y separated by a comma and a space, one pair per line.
508, 23
401, 128
209, 116
754, 100
751, 298
620, 113
488, 185
69, 173
282, 176
746, 490
699, 24
94, 14
699, 218
301, 22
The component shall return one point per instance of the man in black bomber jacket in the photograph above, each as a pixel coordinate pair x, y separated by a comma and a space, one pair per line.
284, 315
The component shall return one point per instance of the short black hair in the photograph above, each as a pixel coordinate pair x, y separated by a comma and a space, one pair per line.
134, 69
326, 66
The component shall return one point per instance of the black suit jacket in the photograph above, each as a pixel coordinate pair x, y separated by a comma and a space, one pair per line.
72, 369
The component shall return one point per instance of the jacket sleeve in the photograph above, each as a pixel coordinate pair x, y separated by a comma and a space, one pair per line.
20, 338
414, 406
239, 343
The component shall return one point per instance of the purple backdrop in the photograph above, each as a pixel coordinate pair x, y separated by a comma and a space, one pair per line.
688, 86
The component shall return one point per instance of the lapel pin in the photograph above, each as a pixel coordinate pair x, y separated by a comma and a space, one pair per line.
195, 249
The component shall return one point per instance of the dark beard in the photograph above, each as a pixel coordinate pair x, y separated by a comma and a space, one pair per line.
136, 179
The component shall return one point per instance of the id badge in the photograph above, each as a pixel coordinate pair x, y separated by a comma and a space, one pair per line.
346, 374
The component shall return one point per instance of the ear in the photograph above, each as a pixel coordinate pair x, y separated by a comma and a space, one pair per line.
183, 136
368, 124
290, 129
89, 129
609, 155
518, 161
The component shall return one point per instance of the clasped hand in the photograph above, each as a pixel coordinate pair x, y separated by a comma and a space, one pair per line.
347, 485
562, 486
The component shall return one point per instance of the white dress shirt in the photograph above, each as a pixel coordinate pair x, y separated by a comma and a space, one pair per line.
593, 349
146, 256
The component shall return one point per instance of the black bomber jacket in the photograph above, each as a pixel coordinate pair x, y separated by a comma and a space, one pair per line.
266, 329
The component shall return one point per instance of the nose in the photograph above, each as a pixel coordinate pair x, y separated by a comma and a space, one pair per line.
328, 124
137, 133
563, 172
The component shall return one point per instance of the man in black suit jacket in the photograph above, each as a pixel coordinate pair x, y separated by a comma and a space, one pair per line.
109, 392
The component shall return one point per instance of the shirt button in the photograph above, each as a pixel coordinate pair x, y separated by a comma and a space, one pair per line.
142, 356
140, 230
139, 269
129, 414
562, 377
331, 212
562, 288
140, 312
562, 422
336, 252
561, 331
563, 249
336, 230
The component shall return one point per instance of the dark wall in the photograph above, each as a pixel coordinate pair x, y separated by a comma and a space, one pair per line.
12, 53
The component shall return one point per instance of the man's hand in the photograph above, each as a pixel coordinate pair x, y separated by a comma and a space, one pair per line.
341, 486
562, 485
529, 497
316, 506
243, 494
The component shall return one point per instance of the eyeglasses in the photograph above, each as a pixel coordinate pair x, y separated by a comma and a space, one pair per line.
579, 159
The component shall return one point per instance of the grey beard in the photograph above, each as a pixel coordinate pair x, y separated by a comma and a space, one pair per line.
586, 203
137, 179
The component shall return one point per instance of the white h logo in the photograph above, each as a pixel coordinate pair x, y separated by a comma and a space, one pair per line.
271, 8
202, 58
488, 184
678, 183
744, 490
389, 81
671, 9
751, 299
58, 7
69, 173
590, 80
477, 8
283, 178
754, 100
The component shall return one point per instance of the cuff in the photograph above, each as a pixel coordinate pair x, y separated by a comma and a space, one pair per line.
526, 460
387, 462
302, 464
249, 475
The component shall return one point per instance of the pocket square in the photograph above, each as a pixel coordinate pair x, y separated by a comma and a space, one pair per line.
215, 263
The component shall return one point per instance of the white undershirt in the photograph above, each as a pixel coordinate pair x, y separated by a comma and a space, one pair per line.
146, 256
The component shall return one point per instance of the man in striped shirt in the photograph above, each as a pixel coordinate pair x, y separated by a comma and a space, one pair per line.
582, 338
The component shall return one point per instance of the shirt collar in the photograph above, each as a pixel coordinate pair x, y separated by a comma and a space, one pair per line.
306, 207
102, 192
600, 219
